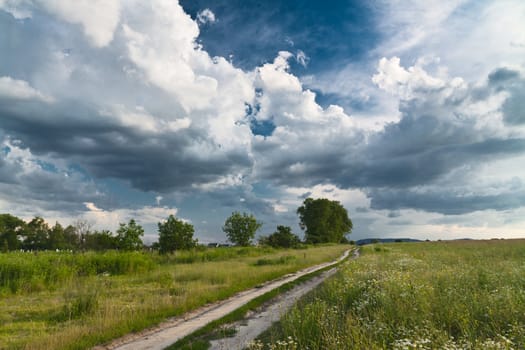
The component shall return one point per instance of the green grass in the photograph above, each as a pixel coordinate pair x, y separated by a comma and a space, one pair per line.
443, 295
33, 272
75, 301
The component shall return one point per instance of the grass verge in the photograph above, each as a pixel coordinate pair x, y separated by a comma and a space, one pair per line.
436, 295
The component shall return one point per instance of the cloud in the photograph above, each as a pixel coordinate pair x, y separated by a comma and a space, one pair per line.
20, 90
512, 81
142, 102
33, 184
17, 8
448, 203
395, 79
407, 24
446, 125
166, 117
98, 18
206, 16
301, 58
502, 75
109, 219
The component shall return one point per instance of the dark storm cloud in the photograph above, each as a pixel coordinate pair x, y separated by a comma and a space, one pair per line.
24, 180
512, 82
443, 201
424, 163
502, 75
413, 152
105, 148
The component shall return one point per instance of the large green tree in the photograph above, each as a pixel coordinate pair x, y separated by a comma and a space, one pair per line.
323, 220
104, 240
36, 234
128, 236
56, 237
71, 238
175, 234
240, 228
10, 229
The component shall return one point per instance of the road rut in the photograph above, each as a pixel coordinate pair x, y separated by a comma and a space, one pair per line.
261, 319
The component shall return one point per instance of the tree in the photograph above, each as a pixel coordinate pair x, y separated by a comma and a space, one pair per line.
56, 237
82, 229
282, 238
128, 236
10, 230
71, 239
36, 234
101, 240
323, 220
241, 228
175, 234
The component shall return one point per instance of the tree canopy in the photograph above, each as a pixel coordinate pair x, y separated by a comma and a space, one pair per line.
282, 238
323, 220
128, 236
240, 228
10, 227
175, 234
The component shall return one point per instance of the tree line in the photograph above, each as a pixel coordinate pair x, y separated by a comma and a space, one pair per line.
322, 220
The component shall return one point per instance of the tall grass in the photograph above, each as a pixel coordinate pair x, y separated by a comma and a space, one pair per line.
23, 272
449, 295
75, 301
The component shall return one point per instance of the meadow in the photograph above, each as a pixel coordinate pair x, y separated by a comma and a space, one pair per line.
429, 295
64, 300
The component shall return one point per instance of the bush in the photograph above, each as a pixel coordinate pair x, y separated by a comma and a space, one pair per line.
282, 238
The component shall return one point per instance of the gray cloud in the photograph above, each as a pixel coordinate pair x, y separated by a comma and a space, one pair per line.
501, 75
80, 134
28, 186
444, 201
444, 126
83, 127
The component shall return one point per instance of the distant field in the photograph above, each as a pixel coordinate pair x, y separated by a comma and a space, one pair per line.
74, 301
439, 295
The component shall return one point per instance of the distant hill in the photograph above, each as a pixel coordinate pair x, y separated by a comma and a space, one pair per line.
385, 240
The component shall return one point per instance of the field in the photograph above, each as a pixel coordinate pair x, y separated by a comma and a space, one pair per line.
431, 295
74, 301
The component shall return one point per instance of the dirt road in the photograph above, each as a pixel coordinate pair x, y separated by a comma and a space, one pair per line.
177, 328
260, 320
256, 323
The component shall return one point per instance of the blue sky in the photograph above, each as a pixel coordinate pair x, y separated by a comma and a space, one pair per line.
409, 113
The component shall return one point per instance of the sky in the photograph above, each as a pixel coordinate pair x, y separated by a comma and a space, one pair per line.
409, 113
